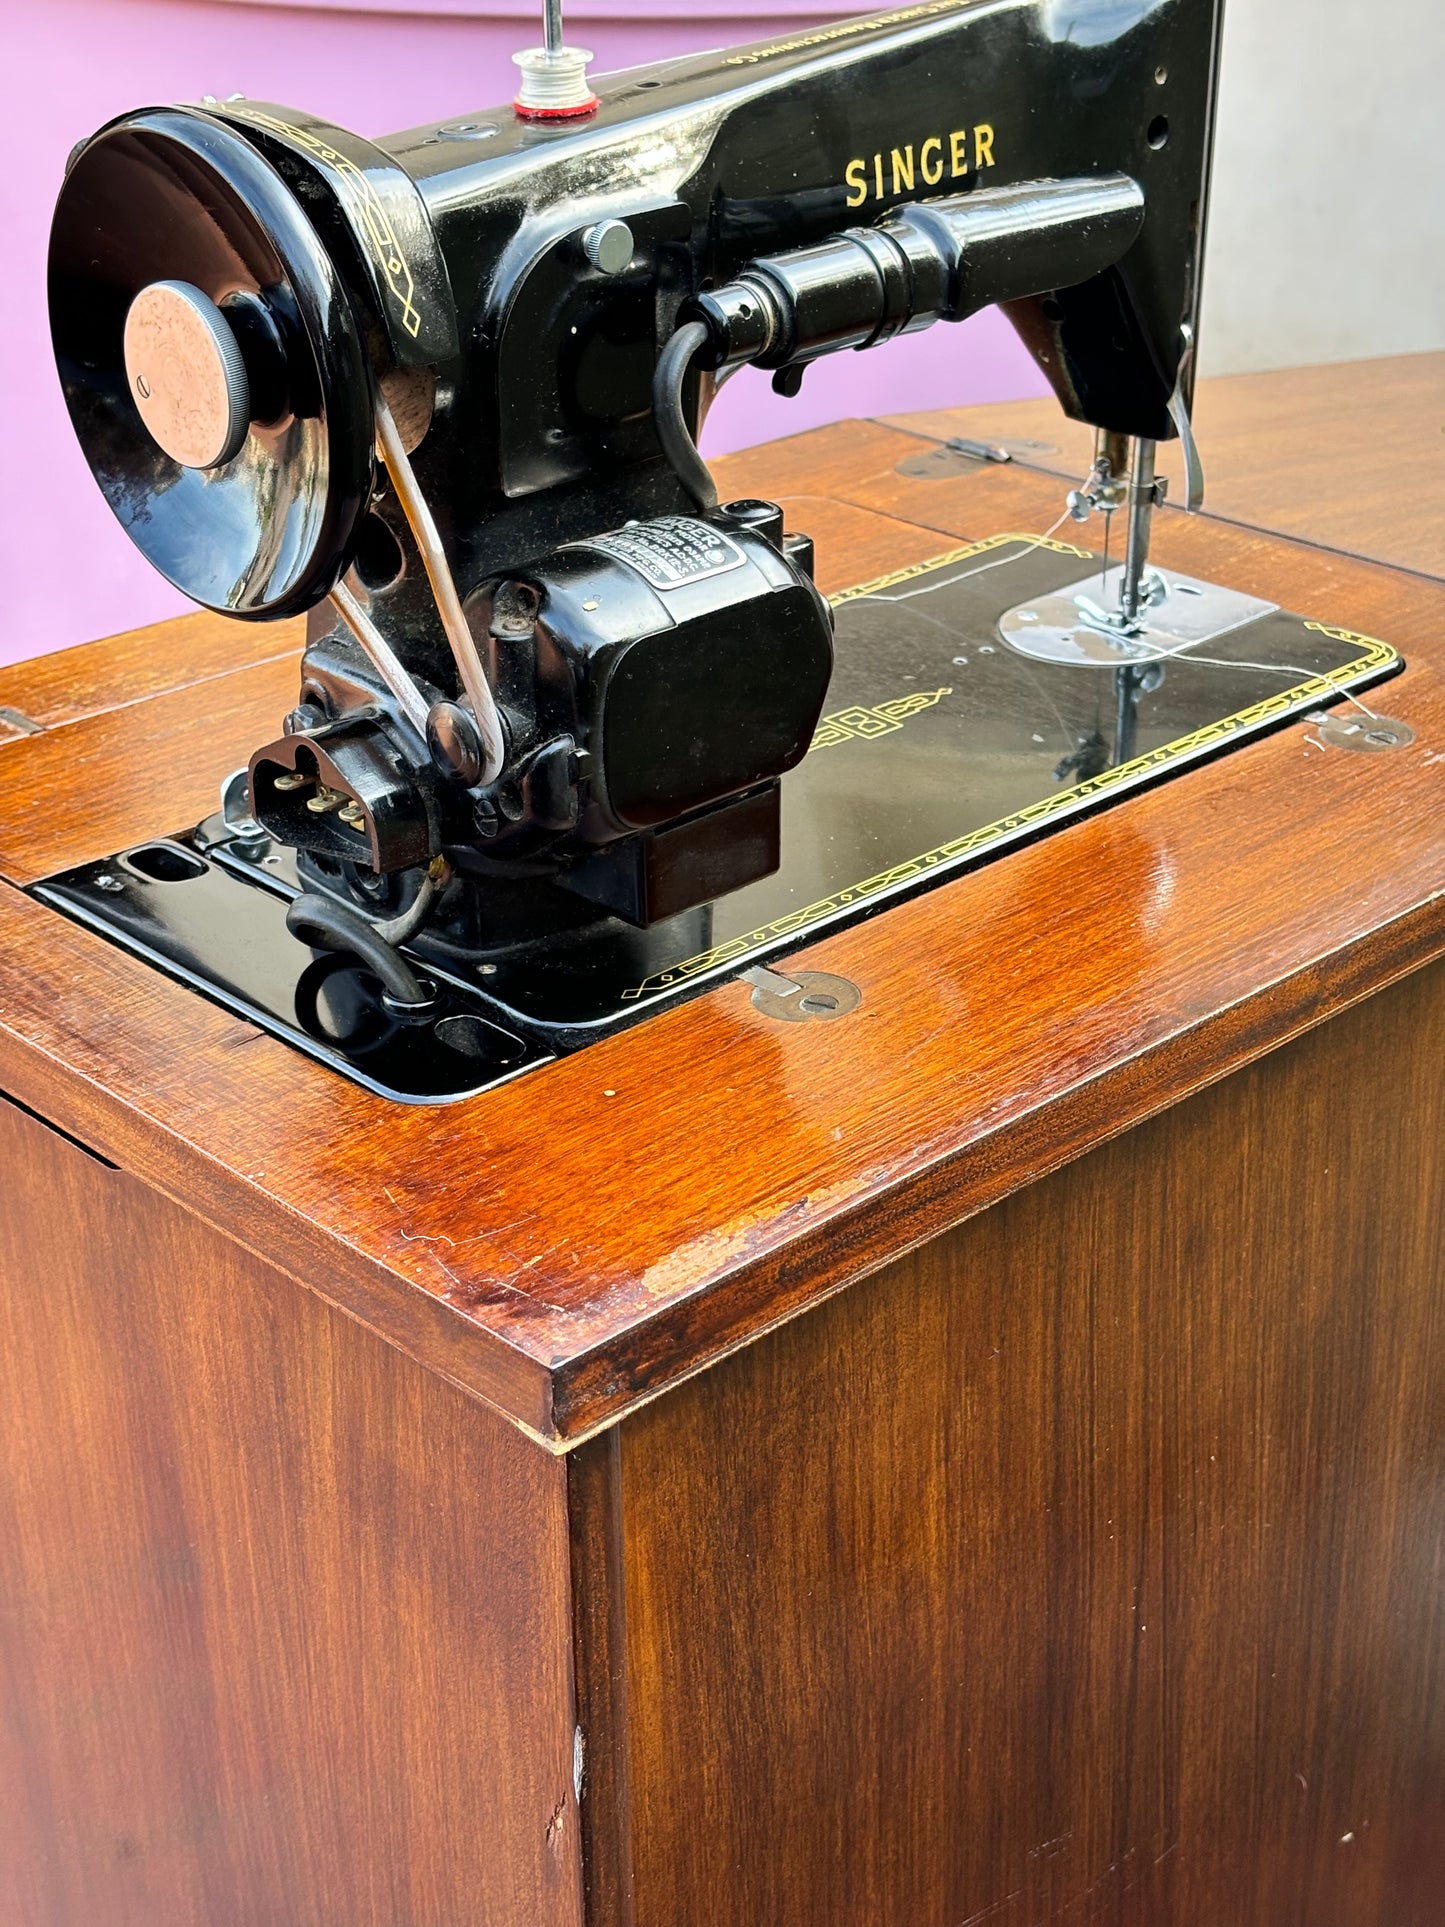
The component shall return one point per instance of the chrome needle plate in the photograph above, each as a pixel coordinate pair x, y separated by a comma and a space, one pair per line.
1072, 624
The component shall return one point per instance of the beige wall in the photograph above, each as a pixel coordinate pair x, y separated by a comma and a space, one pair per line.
1327, 233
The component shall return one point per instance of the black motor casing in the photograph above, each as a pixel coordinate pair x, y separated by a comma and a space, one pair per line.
655, 683
693, 656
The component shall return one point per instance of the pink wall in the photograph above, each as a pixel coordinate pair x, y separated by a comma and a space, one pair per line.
375, 65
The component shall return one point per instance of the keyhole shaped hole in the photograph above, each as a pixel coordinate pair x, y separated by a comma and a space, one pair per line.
818, 1003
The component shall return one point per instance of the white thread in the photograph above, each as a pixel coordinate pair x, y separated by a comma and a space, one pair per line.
554, 82
1126, 662
931, 588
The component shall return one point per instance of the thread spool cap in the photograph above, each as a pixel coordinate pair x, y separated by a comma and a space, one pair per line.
554, 83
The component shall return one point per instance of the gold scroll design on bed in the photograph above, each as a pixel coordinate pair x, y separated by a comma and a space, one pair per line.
1375, 655
861, 723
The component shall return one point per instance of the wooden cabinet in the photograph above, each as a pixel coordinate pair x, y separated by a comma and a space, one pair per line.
1085, 1564
978, 1461
284, 1618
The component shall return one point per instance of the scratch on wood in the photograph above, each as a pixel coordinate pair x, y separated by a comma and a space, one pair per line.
470, 1293
989, 1912
1050, 1849
416, 1237
557, 1823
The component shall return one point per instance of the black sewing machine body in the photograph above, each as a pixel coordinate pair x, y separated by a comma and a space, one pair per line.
543, 362
715, 160
472, 362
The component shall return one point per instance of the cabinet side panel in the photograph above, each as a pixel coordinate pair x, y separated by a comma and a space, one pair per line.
1089, 1564
599, 1609
283, 1619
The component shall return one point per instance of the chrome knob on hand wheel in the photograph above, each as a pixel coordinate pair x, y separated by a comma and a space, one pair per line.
186, 374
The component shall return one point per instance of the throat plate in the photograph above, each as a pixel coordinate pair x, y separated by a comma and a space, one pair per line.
1073, 624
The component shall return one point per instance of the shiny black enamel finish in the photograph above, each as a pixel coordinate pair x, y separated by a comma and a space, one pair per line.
942, 748
189, 915
648, 679
543, 431
715, 160
632, 666
930, 261
371, 219
170, 194
718, 159
1050, 155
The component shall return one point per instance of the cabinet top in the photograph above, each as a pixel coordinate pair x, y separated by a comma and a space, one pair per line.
570, 1245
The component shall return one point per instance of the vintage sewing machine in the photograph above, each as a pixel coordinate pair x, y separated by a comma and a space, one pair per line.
549, 763
935, 1417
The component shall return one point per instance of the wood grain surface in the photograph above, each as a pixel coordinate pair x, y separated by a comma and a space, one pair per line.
1085, 1565
46, 691
570, 1245
600, 1672
285, 1618
1351, 456
121, 774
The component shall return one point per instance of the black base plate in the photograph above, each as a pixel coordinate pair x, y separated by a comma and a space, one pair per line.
942, 746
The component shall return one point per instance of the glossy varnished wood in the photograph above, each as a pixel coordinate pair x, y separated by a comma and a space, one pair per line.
600, 1672
283, 1618
47, 691
1080, 1563
1351, 456
574, 1243
117, 776
1085, 1565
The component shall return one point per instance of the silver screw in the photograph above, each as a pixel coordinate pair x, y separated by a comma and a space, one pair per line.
608, 246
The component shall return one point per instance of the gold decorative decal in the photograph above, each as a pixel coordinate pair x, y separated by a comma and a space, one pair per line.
950, 556
846, 725
1346, 635
1376, 655
844, 30
906, 170
374, 220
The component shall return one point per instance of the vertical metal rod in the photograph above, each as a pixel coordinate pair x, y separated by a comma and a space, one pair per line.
1128, 682
1141, 509
444, 590
410, 699
552, 25
1111, 456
